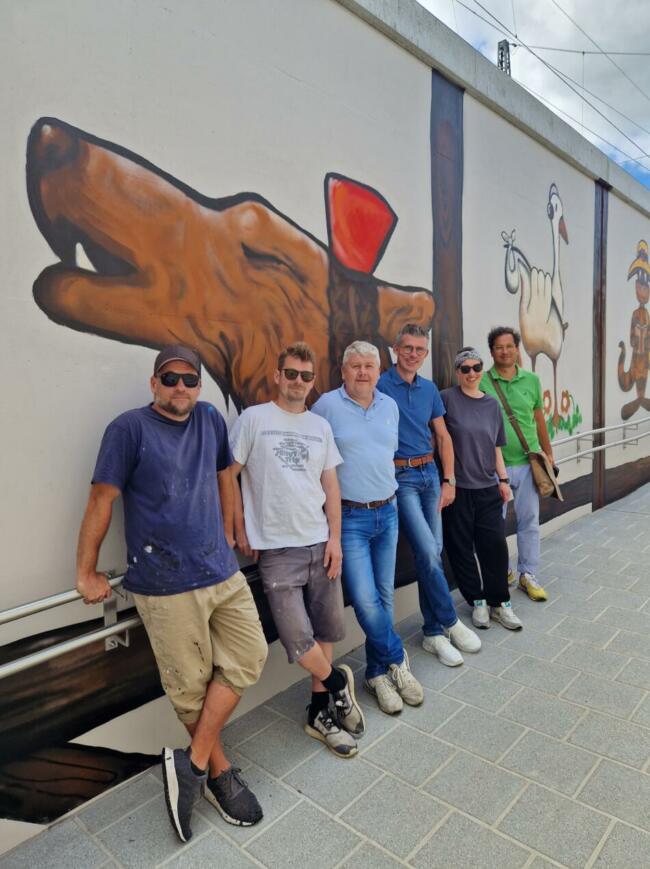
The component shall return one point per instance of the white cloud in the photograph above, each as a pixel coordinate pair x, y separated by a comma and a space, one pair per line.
614, 26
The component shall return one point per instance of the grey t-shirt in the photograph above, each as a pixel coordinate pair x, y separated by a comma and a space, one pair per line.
476, 428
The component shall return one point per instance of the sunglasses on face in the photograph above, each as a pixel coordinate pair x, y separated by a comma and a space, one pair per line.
467, 368
171, 378
409, 348
292, 374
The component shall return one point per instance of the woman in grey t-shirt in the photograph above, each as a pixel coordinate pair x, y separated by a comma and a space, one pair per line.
473, 523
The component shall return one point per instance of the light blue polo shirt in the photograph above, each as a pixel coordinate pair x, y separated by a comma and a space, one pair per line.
367, 439
419, 402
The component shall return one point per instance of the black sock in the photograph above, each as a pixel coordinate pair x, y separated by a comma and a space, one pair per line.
196, 770
319, 700
336, 681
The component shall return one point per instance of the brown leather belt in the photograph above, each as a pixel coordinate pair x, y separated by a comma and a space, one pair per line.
369, 505
414, 461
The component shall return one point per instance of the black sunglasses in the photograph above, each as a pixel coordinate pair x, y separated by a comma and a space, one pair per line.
292, 374
171, 378
467, 368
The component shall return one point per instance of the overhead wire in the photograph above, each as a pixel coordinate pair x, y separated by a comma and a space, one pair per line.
613, 62
570, 86
586, 51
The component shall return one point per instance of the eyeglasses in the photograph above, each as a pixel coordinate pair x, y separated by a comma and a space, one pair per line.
171, 378
292, 374
467, 368
409, 348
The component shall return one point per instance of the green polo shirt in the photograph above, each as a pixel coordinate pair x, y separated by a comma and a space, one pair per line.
524, 395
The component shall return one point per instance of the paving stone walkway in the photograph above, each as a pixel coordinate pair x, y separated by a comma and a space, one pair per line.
536, 753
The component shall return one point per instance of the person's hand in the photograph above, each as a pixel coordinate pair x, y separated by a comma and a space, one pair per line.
505, 491
333, 558
94, 587
241, 542
230, 538
447, 496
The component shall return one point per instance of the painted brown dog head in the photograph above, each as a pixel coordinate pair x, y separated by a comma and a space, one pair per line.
232, 277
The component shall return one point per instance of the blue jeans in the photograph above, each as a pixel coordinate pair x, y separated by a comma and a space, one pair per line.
417, 500
369, 542
526, 504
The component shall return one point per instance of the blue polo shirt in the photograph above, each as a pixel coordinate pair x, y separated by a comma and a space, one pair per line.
418, 402
367, 439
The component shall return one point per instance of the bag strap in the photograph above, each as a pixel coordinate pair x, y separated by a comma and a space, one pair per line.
509, 414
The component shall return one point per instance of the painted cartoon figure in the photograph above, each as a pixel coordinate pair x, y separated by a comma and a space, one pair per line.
541, 300
637, 375
147, 260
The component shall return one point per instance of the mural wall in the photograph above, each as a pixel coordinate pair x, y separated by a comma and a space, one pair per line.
528, 237
628, 333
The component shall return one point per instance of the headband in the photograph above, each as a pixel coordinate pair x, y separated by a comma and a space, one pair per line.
466, 354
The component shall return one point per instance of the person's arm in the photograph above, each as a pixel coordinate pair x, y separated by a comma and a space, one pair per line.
93, 586
241, 538
333, 553
542, 434
504, 488
226, 496
446, 453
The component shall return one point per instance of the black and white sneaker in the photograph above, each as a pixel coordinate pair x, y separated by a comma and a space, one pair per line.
347, 711
339, 742
182, 789
233, 799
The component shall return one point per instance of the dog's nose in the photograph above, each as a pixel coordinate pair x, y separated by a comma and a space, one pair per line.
51, 146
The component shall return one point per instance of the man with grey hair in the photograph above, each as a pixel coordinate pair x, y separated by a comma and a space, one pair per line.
365, 425
420, 497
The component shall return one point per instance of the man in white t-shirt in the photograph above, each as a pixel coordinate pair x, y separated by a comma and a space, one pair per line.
291, 523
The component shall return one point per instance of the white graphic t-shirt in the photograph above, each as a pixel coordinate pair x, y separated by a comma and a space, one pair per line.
284, 455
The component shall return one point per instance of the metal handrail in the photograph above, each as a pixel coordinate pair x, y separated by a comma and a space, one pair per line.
43, 655
591, 450
595, 431
46, 603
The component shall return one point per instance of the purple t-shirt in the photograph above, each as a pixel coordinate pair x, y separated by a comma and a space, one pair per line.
476, 429
167, 473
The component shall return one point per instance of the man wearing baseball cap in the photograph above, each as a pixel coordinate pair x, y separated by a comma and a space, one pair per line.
170, 462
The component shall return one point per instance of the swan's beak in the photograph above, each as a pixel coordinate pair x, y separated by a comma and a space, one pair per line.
562, 228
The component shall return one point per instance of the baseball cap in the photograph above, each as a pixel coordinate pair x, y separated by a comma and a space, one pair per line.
173, 352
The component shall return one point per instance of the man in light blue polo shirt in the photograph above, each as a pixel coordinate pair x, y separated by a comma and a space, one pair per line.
365, 425
419, 496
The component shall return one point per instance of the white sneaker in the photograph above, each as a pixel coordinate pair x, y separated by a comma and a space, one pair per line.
504, 614
384, 690
464, 639
408, 687
481, 615
443, 650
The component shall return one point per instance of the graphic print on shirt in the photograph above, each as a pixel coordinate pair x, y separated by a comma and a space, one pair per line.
292, 451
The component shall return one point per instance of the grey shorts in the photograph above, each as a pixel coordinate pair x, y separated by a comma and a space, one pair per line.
306, 604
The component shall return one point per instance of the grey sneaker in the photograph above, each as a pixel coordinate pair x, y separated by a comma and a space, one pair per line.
233, 799
339, 741
481, 615
463, 638
408, 687
384, 690
505, 616
347, 711
182, 789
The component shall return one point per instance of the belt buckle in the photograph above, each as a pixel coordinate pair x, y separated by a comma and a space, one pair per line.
408, 462
368, 507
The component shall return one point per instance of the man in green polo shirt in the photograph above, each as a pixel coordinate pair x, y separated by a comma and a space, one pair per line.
523, 392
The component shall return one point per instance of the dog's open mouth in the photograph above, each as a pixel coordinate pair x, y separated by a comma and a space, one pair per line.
77, 250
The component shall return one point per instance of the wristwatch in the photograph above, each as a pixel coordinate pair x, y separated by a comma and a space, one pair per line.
450, 480
504, 480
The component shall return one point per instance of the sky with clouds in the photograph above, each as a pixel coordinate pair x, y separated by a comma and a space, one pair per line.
614, 27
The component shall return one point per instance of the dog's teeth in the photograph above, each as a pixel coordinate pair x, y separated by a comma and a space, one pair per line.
81, 258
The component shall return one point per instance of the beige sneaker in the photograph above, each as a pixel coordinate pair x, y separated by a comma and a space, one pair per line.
384, 690
408, 687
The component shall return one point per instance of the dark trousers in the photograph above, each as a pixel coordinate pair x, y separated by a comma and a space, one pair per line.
474, 524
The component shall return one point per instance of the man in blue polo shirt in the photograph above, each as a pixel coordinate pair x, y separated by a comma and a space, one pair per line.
365, 427
420, 498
